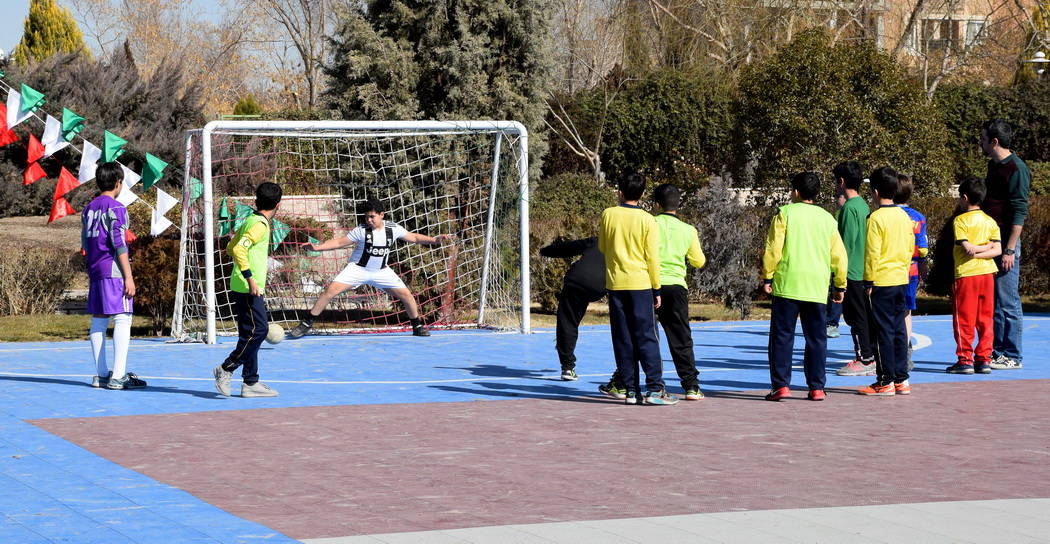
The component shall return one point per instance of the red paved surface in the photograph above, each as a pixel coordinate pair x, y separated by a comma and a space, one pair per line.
346, 470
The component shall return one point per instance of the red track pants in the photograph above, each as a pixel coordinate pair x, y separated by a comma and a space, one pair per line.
973, 305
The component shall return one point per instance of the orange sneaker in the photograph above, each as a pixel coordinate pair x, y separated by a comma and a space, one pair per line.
877, 390
902, 388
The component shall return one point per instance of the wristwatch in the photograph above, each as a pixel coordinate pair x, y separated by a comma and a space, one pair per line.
1008, 252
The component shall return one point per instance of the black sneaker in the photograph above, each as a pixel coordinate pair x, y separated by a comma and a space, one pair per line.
420, 330
982, 367
129, 381
569, 374
301, 329
960, 368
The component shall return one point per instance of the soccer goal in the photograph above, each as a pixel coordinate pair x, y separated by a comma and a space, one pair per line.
464, 178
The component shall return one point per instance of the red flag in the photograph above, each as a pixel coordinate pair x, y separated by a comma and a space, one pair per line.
61, 208
7, 136
33, 174
33, 171
129, 236
36, 149
66, 183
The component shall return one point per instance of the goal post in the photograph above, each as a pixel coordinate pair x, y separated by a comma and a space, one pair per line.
464, 178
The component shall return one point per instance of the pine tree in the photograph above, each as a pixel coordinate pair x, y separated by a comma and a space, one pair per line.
49, 29
444, 59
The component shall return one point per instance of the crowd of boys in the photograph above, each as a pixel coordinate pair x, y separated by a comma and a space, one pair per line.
871, 260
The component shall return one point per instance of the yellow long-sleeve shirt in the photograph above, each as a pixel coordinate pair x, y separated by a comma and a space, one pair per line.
629, 239
888, 246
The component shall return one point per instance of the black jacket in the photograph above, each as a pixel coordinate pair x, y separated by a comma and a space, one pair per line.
588, 272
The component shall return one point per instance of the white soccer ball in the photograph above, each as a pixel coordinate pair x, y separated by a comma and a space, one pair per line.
275, 334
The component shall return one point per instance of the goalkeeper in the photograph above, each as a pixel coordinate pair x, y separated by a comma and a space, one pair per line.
368, 264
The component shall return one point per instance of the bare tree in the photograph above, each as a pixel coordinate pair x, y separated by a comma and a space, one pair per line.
307, 24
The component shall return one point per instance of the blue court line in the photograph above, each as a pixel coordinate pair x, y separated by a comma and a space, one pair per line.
57, 491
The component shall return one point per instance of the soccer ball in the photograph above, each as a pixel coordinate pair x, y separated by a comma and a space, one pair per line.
275, 334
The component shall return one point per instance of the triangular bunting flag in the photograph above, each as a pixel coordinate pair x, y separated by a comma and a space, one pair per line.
165, 202
243, 211
278, 232
32, 99
35, 151
52, 139
113, 147
224, 218
88, 162
316, 243
7, 136
159, 223
60, 208
152, 171
72, 124
129, 236
33, 171
66, 183
127, 196
14, 111
195, 189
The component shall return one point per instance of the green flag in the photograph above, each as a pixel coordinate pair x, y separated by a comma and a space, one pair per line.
316, 243
279, 233
224, 218
152, 171
243, 211
113, 147
72, 124
32, 99
196, 189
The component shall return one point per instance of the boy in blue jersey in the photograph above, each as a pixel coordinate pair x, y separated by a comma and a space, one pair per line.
922, 248
112, 288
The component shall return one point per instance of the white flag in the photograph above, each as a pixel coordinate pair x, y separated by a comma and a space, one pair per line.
14, 108
160, 224
126, 196
52, 138
88, 162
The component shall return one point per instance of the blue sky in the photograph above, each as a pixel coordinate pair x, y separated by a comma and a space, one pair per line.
15, 12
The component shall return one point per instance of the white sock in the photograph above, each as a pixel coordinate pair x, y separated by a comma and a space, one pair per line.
121, 339
98, 344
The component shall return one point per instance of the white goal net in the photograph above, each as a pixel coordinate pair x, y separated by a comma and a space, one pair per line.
464, 178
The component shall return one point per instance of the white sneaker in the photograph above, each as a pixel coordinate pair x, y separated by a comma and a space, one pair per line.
257, 389
1003, 362
222, 380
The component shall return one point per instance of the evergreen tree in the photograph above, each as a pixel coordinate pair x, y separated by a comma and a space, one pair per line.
444, 59
49, 29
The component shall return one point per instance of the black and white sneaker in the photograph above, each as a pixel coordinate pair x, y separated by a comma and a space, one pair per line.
569, 374
129, 381
1003, 362
301, 329
420, 330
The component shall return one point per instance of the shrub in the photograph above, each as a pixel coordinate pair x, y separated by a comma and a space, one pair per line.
155, 266
815, 104
32, 279
732, 236
563, 207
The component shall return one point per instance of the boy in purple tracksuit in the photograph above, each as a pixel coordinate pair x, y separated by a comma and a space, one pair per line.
111, 288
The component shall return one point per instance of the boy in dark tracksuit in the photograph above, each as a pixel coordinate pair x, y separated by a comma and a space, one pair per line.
852, 220
250, 251
583, 284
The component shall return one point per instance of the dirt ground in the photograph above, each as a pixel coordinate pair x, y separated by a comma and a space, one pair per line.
36, 231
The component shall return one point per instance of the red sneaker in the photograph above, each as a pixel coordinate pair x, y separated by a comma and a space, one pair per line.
877, 390
902, 388
817, 394
777, 394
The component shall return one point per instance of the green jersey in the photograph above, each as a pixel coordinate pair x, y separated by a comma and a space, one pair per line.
852, 220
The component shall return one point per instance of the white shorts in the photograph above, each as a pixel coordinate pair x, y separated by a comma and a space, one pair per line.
383, 278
